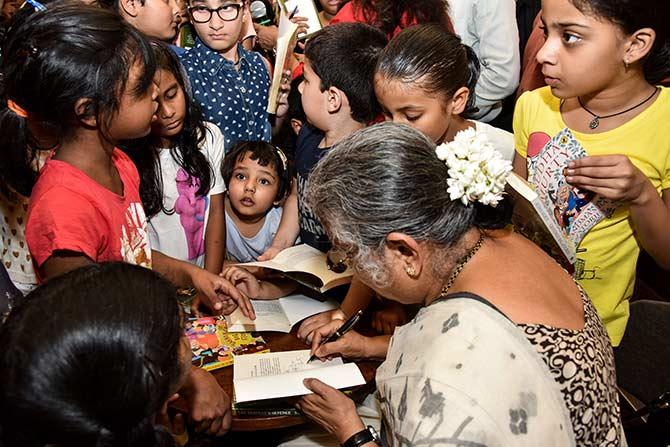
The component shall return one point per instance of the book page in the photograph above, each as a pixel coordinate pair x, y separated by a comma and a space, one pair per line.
269, 317
302, 258
298, 307
280, 374
285, 43
307, 9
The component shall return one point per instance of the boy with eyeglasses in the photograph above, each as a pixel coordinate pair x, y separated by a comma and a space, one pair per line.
230, 83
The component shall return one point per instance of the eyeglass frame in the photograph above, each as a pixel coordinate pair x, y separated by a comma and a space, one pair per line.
211, 11
337, 265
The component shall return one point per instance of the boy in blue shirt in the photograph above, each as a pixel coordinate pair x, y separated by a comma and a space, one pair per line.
230, 83
338, 99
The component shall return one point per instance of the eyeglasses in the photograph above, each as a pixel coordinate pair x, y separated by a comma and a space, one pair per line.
336, 260
203, 14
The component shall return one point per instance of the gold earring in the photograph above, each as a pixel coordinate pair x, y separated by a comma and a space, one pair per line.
410, 271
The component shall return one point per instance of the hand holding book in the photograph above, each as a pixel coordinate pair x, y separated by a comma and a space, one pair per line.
611, 176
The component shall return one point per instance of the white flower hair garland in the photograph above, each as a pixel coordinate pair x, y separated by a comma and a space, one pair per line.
477, 171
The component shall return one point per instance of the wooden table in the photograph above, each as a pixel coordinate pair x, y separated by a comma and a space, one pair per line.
278, 342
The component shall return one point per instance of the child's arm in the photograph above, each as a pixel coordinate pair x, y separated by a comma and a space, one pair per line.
519, 166
62, 261
289, 226
215, 235
221, 295
209, 405
256, 288
616, 178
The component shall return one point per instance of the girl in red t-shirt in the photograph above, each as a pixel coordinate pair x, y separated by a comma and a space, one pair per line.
82, 79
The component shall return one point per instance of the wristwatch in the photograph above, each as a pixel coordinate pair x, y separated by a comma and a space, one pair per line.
368, 434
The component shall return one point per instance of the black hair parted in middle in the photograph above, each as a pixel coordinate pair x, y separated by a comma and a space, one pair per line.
344, 56
186, 147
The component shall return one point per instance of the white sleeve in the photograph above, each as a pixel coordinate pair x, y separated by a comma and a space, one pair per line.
214, 150
498, 52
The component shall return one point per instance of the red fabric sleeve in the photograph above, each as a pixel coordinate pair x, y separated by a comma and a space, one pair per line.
347, 14
63, 220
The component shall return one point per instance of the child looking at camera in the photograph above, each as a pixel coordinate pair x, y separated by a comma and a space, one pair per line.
258, 178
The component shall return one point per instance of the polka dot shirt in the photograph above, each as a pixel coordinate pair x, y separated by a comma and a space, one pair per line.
234, 100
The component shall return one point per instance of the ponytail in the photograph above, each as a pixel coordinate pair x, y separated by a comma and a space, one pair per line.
16, 172
434, 58
657, 65
473, 71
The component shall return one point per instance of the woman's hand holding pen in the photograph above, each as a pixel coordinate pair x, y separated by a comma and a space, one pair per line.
351, 345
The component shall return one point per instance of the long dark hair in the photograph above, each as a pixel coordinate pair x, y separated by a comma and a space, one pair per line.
388, 14
632, 15
50, 61
434, 57
88, 358
186, 147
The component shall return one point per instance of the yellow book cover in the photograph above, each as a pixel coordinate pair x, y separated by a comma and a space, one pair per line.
214, 347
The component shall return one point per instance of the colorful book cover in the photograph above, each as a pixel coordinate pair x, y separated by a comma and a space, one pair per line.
575, 210
214, 347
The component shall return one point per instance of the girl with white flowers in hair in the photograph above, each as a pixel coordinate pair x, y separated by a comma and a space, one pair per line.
494, 356
425, 78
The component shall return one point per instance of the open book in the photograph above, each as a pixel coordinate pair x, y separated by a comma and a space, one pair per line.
278, 315
306, 265
303, 8
535, 221
280, 374
286, 40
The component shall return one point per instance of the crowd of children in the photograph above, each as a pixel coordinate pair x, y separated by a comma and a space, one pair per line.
119, 146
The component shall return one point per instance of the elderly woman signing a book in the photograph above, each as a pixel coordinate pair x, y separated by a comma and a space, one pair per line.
506, 349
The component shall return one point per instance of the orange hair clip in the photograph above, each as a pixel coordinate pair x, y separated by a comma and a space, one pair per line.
14, 107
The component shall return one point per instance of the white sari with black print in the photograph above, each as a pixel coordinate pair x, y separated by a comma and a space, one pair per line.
462, 374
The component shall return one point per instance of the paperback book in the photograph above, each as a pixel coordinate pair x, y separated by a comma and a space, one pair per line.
214, 347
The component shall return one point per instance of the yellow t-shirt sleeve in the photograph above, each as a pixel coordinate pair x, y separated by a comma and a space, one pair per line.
521, 125
665, 180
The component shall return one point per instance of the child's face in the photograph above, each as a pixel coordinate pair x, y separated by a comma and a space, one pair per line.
135, 113
157, 18
252, 188
221, 31
314, 101
581, 54
171, 106
411, 105
330, 6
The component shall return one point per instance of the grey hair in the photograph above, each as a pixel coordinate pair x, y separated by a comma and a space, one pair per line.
383, 179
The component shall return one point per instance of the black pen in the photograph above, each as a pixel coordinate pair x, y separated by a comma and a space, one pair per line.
295, 10
346, 327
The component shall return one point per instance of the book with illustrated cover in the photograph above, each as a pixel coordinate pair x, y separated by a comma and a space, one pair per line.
306, 265
535, 221
575, 210
214, 347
